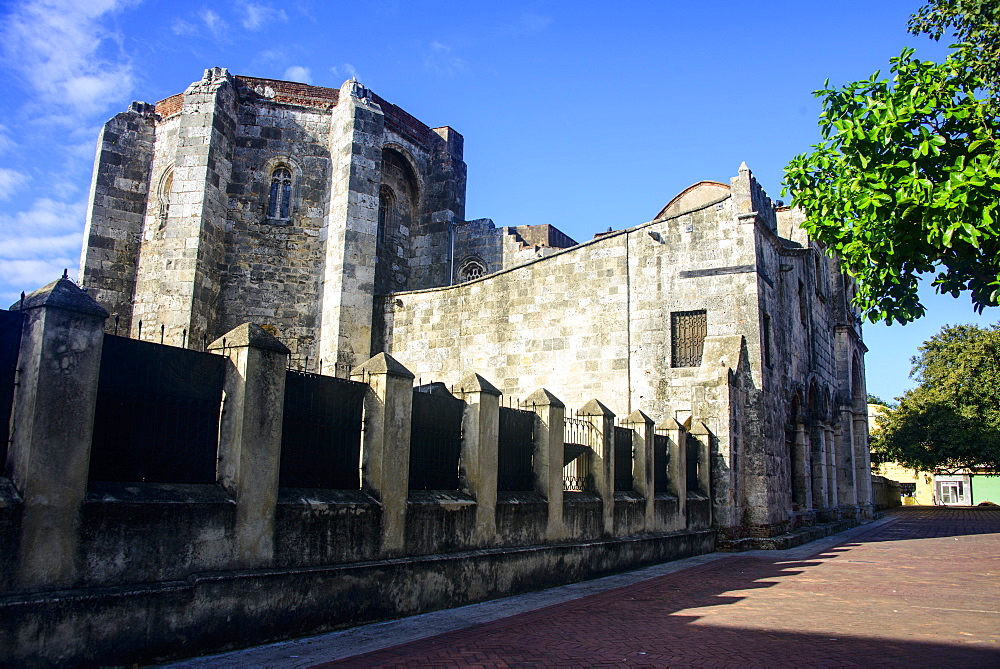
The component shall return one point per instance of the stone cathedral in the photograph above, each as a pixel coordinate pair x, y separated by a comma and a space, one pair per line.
336, 220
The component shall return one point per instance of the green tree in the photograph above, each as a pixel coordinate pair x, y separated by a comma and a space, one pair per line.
951, 420
907, 179
875, 399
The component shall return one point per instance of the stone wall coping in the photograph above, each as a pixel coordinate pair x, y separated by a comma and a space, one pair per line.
474, 383
249, 335
383, 363
595, 408
62, 294
604, 237
543, 397
636, 417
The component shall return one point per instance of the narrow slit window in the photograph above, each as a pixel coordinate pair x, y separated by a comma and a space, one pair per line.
687, 337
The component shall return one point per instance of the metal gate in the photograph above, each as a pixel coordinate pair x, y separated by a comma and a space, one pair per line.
11, 325
157, 415
623, 459
693, 449
435, 441
516, 449
321, 432
661, 459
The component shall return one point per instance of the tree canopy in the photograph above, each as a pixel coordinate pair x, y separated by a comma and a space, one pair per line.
907, 179
951, 420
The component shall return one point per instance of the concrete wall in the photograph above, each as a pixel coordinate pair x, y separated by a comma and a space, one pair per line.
176, 560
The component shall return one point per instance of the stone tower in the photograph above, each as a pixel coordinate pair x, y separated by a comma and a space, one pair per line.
271, 201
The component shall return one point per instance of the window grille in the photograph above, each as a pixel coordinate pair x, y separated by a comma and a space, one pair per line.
470, 269
279, 200
687, 337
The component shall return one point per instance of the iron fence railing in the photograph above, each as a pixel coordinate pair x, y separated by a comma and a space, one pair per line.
661, 460
11, 325
157, 413
693, 449
579, 436
435, 441
516, 447
623, 459
321, 432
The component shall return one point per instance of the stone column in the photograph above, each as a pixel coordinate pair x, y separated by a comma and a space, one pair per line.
603, 461
642, 447
385, 443
862, 465
846, 488
356, 131
52, 426
818, 456
250, 436
701, 432
178, 277
480, 434
802, 486
831, 466
548, 457
119, 195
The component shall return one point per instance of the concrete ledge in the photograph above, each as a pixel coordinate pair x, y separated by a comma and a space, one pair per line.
223, 610
788, 539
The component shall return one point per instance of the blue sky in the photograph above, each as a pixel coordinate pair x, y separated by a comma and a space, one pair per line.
585, 115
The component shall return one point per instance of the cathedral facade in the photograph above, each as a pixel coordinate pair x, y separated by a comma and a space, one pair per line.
336, 220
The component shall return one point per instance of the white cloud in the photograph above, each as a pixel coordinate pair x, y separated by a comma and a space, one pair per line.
183, 28
256, 15
347, 71
10, 181
215, 23
66, 54
6, 143
439, 59
37, 244
299, 74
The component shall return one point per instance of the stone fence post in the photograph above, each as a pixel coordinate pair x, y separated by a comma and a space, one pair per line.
549, 452
250, 436
603, 461
701, 432
642, 469
480, 442
59, 366
385, 443
676, 468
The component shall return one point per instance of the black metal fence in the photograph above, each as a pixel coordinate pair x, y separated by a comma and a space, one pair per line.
321, 432
578, 436
623, 459
11, 324
515, 450
693, 449
157, 414
435, 441
661, 460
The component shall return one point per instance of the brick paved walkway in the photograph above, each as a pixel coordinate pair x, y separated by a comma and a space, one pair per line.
920, 590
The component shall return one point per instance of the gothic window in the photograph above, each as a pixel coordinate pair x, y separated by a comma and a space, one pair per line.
166, 188
687, 337
471, 268
280, 196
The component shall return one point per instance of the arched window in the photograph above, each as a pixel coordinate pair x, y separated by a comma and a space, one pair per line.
166, 188
471, 268
279, 199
